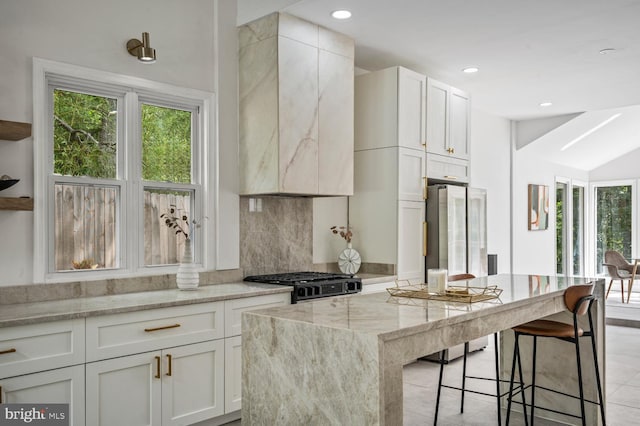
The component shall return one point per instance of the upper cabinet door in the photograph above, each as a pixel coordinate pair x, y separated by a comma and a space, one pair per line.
447, 120
411, 109
459, 124
437, 117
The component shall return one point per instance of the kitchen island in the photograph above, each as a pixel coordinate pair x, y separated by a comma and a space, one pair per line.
339, 360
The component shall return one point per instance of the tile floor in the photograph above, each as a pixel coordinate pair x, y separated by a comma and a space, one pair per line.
421, 379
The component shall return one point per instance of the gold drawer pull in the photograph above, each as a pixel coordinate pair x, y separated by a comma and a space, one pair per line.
157, 376
450, 177
0, 394
169, 362
8, 351
165, 327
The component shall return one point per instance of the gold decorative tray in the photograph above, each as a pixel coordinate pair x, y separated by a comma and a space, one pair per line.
453, 293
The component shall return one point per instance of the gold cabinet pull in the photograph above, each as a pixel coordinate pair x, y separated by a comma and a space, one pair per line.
157, 376
450, 150
8, 351
169, 364
0, 394
425, 190
424, 238
164, 327
450, 177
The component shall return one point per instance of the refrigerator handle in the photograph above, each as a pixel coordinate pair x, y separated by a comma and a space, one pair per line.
424, 238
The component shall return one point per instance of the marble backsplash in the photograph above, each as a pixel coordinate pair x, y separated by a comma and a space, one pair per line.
279, 238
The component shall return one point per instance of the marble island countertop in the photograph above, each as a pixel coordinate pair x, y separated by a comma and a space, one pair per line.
390, 317
35, 312
307, 361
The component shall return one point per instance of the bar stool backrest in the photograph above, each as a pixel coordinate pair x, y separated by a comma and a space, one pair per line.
573, 294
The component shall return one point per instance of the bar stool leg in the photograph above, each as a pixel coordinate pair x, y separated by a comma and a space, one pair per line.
435, 418
595, 361
495, 353
516, 354
524, 402
533, 378
577, 343
464, 374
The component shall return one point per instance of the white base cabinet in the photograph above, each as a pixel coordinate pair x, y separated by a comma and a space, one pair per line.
178, 365
175, 386
59, 386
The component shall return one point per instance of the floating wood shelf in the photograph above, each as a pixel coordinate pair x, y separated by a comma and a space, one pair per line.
14, 131
16, 203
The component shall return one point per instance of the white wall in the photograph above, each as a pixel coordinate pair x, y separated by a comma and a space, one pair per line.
625, 167
93, 34
490, 169
534, 251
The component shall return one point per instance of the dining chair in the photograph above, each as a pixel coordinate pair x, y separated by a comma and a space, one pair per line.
618, 269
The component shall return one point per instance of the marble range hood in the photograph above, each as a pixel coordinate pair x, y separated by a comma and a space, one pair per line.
296, 83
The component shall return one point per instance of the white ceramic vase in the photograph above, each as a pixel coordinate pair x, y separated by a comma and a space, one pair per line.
187, 277
349, 260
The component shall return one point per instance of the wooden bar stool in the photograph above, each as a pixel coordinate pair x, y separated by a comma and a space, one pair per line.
463, 389
578, 300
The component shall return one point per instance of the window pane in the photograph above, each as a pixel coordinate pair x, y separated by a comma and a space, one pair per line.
164, 242
166, 144
84, 134
613, 222
561, 245
578, 231
85, 227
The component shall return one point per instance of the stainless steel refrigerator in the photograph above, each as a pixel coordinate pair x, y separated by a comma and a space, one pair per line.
457, 237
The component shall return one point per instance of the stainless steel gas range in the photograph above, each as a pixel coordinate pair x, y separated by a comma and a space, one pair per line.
312, 285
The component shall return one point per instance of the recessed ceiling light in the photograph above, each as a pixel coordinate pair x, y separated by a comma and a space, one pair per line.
607, 51
546, 104
470, 70
341, 14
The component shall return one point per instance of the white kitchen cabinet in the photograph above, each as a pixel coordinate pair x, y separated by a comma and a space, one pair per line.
44, 363
390, 228
411, 239
58, 386
232, 374
296, 97
179, 385
448, 169
390, 109
448, 120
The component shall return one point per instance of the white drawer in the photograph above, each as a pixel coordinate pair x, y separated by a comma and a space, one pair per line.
447, 168
38, 347
233, 309
134, 332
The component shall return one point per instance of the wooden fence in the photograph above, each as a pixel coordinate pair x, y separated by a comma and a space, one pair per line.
85, 227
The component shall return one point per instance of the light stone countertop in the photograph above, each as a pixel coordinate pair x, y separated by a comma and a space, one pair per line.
368, 279
36, 312
392, 317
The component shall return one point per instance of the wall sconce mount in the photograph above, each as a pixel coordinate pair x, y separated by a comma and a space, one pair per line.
141, 49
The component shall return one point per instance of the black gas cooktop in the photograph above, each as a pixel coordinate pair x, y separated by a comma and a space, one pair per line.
312, 285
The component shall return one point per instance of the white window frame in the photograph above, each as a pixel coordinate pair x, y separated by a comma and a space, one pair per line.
592, 222
134, 92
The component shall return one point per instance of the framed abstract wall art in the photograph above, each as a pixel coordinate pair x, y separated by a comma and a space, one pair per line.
538, 207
